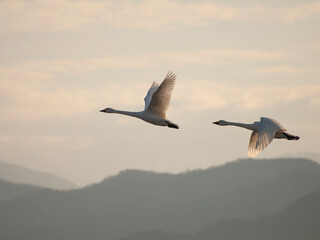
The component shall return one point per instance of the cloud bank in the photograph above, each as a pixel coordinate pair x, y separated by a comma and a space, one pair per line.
66, 15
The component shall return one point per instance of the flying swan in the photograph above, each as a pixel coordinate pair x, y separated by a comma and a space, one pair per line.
156, 103
263, 133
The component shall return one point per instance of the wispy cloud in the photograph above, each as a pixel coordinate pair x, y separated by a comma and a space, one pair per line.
202, 57
37, 15
62, 15
216, 57
39, 101
281, 69
29, 88
204, 95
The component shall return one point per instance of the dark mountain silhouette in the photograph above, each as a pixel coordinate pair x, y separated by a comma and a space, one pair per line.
9, 190
18, 174
158, 235
301, 220
137, 200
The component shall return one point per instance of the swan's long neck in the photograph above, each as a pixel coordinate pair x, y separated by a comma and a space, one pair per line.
132, 114
252, 126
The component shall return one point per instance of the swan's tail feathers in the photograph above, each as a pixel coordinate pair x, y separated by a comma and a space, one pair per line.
172, 125
290, 136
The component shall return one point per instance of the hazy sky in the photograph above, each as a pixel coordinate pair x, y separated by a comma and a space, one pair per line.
62, 61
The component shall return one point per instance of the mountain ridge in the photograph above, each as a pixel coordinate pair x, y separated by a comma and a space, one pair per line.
10, 190
139, 200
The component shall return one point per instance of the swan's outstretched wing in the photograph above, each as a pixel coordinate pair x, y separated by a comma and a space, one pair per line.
261, 139
161, 97
252, 151
151, 91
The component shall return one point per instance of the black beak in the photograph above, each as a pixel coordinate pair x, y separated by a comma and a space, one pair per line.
216, 123
103, 110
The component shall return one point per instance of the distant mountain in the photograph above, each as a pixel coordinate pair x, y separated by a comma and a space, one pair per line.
9, 190
301, 220
18, 174
137, 200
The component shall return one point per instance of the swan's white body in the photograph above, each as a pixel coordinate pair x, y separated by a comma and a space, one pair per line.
263, 133
156, 103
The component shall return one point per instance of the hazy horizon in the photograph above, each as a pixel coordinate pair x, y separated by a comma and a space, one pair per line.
62, 61
12, 178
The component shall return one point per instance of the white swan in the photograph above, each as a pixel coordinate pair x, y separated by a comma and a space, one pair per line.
156, 103
263, 133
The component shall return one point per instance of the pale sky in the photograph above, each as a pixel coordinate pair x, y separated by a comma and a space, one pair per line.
62, 61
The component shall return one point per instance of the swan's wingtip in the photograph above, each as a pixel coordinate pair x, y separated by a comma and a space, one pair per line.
171, 74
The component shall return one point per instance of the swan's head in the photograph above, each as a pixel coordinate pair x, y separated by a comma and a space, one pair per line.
107, 110
221, 123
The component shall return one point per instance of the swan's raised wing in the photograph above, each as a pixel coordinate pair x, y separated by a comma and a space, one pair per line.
261, 139
272, 124
151, 91
161, 97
